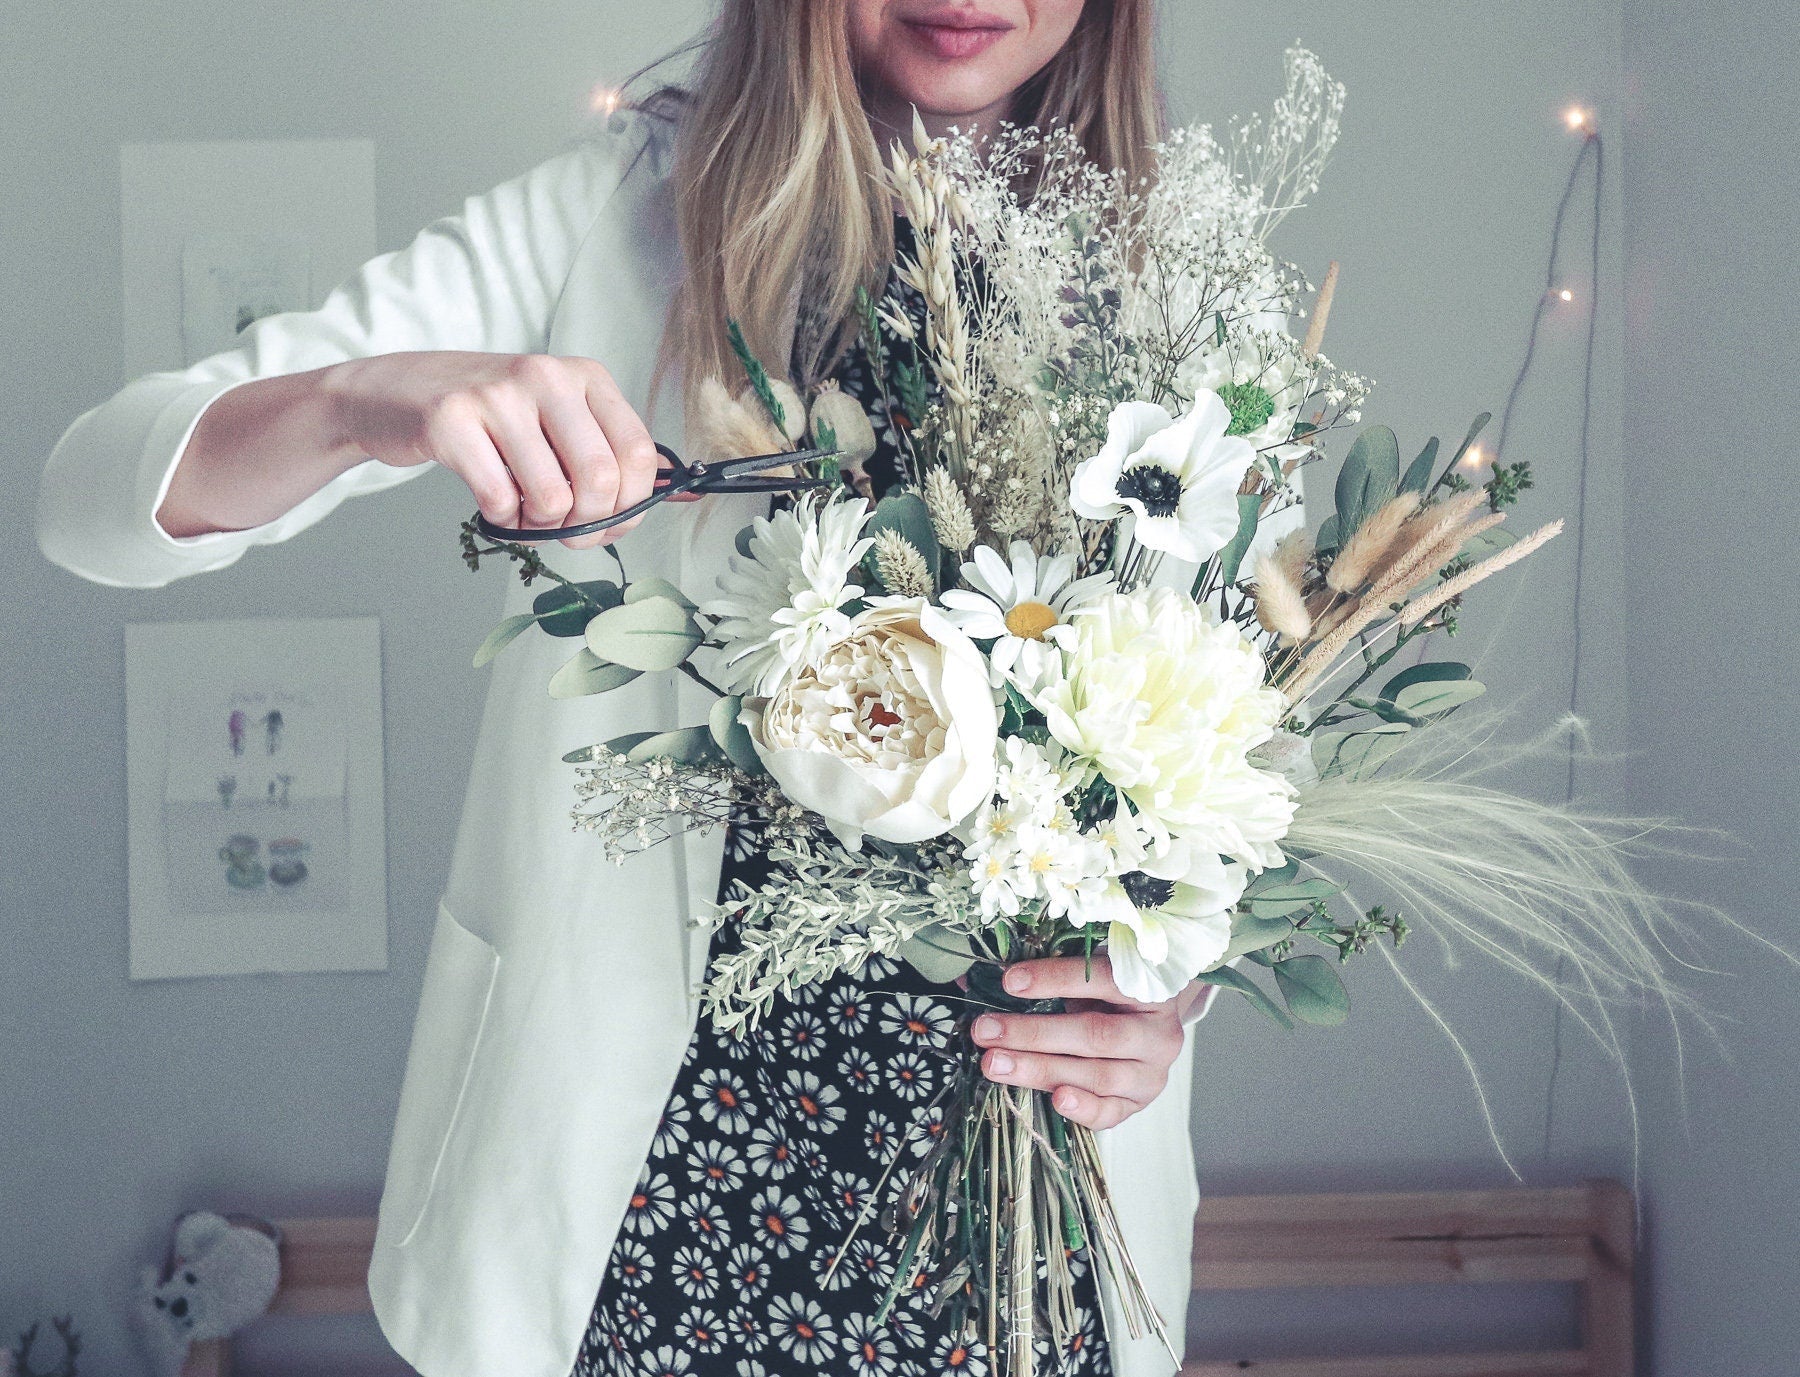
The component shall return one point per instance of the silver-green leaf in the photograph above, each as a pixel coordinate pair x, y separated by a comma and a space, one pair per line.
654, 633
587, 674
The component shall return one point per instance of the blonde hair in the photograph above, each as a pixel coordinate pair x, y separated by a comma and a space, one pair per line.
779, 209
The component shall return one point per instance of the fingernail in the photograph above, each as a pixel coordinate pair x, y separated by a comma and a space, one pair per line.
1000, 1064
1017, 980
987, 1026
1065, 1100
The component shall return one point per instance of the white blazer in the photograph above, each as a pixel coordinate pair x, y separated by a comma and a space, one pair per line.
559, 992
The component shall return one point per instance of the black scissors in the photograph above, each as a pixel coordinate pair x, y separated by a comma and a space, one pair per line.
727, 475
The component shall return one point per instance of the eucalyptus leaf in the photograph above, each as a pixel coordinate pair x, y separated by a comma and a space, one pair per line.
1432, 671
1484, 543
688, 745
654, 633
1369, 479
1475, 428
561, 612
732, 736
502, 636
905, 512
1326, 541
1358, 753
1418, 473
937, 953
1274, 875
1312, 989
741, 541
1429, 699
1231, 558
1251, 933
639, 589
1233, 980
588, 674
1291, 897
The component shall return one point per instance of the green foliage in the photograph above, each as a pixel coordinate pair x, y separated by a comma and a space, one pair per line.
1369, 479
566, 609
588, 674
653, 633
1232, 556
758, 375
1313, 990
732, 736
1508, 482
502, 636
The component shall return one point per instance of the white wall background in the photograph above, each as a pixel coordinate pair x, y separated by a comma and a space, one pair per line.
123, 1105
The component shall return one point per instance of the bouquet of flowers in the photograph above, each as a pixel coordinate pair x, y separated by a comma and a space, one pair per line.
1082, 681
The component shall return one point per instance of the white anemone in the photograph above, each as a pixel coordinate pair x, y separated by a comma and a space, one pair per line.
1168, 918
1178, 478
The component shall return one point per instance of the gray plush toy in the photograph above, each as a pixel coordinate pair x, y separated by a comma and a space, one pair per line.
221, 1272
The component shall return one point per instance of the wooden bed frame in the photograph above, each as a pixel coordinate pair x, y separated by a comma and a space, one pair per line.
1580, 1235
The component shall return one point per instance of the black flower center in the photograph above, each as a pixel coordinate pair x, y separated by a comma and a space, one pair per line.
1154, 486
1146, 891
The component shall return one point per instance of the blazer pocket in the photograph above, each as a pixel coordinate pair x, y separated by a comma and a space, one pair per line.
460, 969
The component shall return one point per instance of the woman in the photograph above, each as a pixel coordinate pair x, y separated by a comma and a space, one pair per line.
555, 1042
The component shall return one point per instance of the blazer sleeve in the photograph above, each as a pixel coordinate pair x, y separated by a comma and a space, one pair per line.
485, 279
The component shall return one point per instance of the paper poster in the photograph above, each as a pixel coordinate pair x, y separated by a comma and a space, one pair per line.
255, 779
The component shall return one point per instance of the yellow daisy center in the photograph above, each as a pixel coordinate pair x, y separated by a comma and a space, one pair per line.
1030, 620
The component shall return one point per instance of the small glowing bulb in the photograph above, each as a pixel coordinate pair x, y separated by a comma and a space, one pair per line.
604, 100
1565, 295
1474, 459
1577, 118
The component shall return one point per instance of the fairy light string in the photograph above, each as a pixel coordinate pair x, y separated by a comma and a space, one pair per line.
1592, 152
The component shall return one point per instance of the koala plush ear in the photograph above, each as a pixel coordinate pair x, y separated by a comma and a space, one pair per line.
198, 1231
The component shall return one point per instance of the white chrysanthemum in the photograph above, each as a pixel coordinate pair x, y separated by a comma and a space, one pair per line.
1167, 703
781, 607
1022, 606
1166, 905
1178, 478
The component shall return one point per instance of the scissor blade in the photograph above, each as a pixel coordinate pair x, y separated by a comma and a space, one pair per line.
757, 463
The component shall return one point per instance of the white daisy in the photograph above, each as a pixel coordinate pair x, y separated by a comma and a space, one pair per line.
1023, 607
780, 606
1178, 478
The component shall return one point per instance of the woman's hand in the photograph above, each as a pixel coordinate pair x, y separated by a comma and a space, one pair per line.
541, 440
1104, 1060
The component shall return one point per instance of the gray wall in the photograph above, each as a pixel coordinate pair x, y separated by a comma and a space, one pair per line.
125, 1104
1712, 157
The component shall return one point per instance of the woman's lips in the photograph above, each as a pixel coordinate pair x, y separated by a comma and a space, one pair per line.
950, 41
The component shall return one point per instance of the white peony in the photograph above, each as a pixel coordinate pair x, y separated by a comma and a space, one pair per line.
1179, 478
783, 604
1167, 703
890, 730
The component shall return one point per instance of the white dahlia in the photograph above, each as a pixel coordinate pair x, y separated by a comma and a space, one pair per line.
782, 606
1179, 478
1167, 703
1023, 606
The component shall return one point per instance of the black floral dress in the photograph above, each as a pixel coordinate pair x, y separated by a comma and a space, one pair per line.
766, 1156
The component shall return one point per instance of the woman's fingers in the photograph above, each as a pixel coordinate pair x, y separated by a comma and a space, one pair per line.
1136, 1081
1068, 977
1095, 1111
1109, 1035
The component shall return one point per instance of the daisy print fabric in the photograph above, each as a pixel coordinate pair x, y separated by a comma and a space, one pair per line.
767, 1152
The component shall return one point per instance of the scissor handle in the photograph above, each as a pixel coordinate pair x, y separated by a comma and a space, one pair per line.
729, 475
